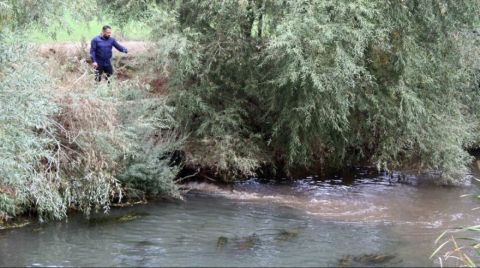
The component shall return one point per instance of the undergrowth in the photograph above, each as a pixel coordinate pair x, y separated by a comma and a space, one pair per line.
67, 142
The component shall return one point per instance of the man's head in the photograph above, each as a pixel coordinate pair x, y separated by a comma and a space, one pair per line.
106, 31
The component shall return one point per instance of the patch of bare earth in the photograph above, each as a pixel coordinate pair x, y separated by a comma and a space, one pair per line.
71, 64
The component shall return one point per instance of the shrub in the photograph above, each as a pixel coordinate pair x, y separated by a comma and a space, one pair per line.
77, 145
113, 140
28, 164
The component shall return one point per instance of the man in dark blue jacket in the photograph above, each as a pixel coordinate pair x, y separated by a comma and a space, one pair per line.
101, 52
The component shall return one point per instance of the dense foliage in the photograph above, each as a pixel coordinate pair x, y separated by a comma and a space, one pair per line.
20, 14
84, 148
324, 83
26, 130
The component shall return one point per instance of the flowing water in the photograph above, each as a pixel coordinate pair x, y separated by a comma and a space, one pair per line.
371, 220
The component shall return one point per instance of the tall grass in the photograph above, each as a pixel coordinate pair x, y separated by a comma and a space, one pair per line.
463, 247
28, 160
459, 247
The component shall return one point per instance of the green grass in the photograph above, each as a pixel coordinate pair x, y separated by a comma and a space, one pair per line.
75, 31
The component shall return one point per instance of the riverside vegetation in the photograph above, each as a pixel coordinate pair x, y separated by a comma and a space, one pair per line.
253, 87
67, 143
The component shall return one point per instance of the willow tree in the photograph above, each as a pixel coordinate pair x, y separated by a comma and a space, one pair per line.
382, 81
323, 83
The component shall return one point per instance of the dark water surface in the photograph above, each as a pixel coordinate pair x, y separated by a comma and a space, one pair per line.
257, 223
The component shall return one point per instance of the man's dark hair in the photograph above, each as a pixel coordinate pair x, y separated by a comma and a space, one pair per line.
104, 28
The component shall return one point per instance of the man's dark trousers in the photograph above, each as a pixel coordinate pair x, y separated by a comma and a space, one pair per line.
108, 69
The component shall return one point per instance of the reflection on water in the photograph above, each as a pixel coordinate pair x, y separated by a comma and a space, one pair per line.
257, 223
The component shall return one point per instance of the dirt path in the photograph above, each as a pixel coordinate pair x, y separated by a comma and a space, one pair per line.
74, 58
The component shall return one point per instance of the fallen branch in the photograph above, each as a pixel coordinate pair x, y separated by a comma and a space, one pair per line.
189, 176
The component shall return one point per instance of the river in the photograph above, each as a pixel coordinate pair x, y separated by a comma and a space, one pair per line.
308, 222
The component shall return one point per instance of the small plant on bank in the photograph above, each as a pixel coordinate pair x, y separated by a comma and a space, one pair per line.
463, 246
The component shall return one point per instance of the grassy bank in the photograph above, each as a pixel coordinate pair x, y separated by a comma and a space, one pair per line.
68, 142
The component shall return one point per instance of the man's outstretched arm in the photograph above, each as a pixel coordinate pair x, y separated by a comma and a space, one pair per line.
119, 47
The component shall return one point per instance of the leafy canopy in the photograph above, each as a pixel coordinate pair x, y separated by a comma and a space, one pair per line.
305, 83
